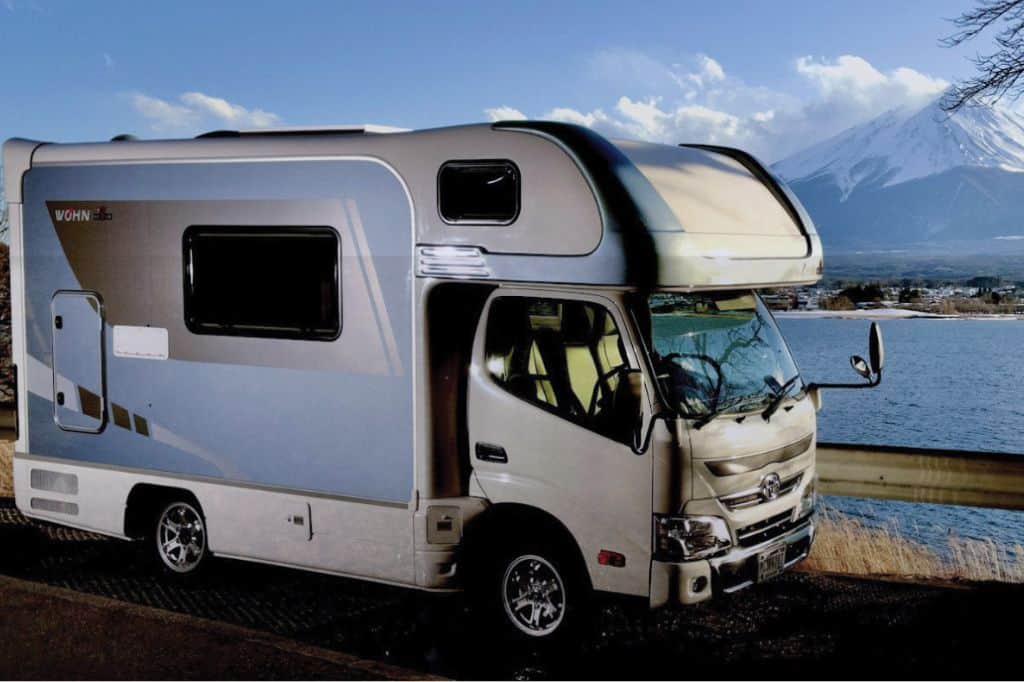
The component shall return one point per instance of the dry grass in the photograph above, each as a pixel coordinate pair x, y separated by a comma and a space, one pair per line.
6, 471
845, 545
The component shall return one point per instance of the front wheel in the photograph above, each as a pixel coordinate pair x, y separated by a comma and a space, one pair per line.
540, 593
180, 538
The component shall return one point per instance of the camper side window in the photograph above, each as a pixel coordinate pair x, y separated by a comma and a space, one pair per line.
560, 355
277, 282
478, 192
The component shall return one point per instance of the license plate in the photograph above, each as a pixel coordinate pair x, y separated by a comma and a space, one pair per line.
771, 563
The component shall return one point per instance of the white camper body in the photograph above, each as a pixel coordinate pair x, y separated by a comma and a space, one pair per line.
387, 355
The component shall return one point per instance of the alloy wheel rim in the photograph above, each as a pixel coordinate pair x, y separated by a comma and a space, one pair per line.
181, 537
534, 595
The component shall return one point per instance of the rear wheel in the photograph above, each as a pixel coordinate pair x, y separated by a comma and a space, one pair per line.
179, 538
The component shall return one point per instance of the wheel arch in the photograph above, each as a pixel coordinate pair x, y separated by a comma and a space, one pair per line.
515, 521
144, 501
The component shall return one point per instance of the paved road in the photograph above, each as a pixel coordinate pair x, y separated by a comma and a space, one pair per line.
54, 633
798, 626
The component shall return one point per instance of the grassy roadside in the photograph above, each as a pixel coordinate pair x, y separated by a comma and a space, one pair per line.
6, 470
845, 545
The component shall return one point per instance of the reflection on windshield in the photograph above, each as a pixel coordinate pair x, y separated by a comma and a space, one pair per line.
717, 352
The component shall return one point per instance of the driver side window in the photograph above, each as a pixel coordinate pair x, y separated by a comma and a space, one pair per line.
563, 356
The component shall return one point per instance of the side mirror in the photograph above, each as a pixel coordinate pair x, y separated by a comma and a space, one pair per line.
872, 371
860, 366
877, 348
630, 399
629, 402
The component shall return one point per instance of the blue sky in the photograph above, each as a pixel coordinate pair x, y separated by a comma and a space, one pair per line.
769, 76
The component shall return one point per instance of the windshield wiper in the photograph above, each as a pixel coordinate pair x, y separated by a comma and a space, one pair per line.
705, 419
776, 401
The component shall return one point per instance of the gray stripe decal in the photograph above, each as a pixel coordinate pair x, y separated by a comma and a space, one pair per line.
172, 477
373, 282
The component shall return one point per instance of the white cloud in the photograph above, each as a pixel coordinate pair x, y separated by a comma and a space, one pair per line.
567, 115
232, 114
708, 72
504, 114
108, 60
196, 110
164, 115
855, 77
698, 101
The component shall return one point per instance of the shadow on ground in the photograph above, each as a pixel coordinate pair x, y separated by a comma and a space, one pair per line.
802, 625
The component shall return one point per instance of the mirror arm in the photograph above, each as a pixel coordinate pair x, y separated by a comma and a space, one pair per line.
871, 383
640, 448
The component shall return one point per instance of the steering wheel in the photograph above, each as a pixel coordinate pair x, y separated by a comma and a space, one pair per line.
603, 379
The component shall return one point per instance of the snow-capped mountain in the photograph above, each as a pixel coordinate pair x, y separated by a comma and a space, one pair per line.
915, 176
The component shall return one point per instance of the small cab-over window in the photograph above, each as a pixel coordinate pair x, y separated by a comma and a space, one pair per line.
280, 282
478, 192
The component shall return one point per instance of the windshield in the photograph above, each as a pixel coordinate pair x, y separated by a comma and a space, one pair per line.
718, 352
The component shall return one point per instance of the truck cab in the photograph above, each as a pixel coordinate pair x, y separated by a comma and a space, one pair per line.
659, 439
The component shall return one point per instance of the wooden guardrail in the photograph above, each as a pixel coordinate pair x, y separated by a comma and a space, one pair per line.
973, 479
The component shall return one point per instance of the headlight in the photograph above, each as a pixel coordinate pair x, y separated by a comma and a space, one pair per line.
689, 537
808, 500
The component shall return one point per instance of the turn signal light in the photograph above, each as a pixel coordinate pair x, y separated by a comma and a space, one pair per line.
608, 558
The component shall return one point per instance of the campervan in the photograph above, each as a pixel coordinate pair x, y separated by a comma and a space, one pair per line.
517, 359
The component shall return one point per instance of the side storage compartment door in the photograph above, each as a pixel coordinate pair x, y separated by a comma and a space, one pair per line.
79, 389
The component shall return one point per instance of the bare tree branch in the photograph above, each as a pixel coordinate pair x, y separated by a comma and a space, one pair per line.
1000, 73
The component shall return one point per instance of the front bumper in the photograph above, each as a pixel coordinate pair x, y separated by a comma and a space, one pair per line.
690, 582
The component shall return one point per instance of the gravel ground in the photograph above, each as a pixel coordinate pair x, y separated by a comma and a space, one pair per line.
799, 626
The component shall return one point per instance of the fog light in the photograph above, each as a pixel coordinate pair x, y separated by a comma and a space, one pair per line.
698, 584
808, 500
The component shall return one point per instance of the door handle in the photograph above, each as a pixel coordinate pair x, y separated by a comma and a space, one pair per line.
491, 453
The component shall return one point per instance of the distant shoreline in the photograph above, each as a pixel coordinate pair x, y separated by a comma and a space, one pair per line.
878, 314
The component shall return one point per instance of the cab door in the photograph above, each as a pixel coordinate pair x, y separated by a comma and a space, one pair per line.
544, 430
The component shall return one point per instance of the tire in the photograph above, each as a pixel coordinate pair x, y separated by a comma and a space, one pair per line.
179, 539
536, 593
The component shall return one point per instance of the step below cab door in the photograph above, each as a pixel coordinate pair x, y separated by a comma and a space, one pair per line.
544, 431
79, 391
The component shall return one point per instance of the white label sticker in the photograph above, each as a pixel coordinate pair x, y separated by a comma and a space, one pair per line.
140, 342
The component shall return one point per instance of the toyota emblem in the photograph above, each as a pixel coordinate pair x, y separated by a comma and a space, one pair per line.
770, 487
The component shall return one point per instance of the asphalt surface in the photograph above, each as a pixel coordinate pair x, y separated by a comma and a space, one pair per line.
54, 633
799, 626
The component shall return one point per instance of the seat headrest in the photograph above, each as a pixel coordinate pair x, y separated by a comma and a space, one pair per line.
577, 324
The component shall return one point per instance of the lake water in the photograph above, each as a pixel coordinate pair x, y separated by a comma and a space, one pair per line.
948, 383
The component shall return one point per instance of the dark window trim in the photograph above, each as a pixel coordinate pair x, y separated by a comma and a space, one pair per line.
581, 422
481, 162
263, 230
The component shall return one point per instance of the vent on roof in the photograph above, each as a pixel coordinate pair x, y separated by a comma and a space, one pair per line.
305, 130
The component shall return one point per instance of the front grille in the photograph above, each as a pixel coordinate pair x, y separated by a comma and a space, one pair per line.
751, 498
766, 529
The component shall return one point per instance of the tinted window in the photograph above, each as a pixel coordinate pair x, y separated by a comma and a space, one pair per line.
478, 192
260, 281
563, 356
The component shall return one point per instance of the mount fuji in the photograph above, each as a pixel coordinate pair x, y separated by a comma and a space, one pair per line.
916, 177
